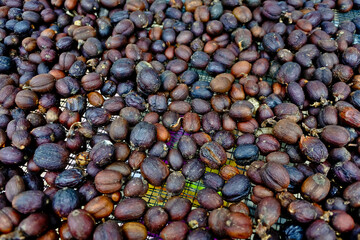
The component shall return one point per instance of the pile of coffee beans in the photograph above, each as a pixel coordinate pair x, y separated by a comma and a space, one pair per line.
93, 91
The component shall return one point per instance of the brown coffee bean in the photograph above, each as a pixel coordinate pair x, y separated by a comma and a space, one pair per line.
175, 230
213, 154
154, 170
134, 231
99, 207
191, 122
130, 209
29, 201
275, 176
204, 197
108, 181
287, 131
13, 187
136, 187
155, 219
81, 224
228, 171
238, 225
107, 230
35, 224
178, 208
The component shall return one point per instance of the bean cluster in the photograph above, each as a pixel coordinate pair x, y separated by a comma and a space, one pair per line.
93, 91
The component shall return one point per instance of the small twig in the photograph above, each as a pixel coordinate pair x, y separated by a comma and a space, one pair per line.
271, 121
176, 124
261, 231
72, 128
326, 216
